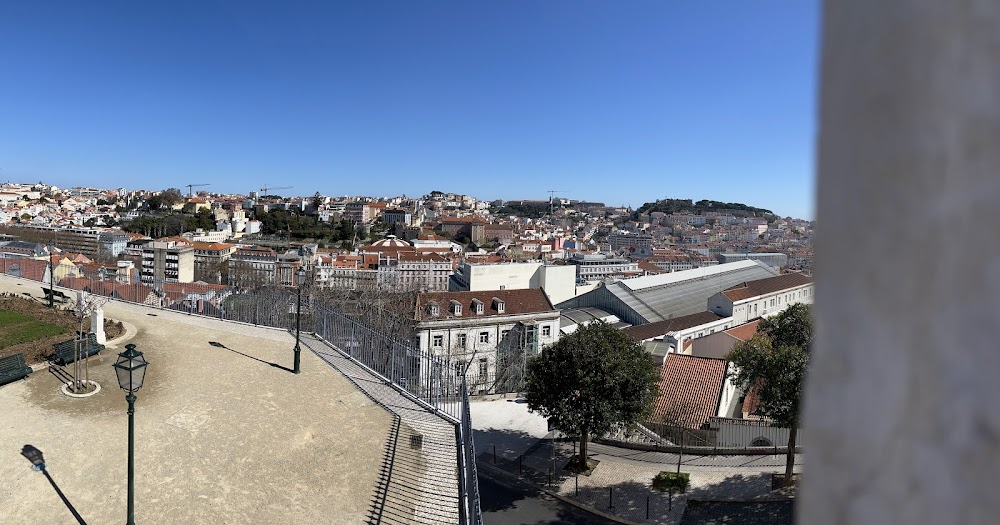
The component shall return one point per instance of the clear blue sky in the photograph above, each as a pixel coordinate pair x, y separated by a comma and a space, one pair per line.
616, 101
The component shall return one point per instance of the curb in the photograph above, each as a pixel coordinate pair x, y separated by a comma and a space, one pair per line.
130, 332
516, 481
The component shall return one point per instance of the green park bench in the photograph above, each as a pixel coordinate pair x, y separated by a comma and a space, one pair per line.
13, 368
65, 352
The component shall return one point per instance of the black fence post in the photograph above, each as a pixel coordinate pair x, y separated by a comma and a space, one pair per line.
494, 454
647, 507
576, 489
611, 498
670, 499
519, 458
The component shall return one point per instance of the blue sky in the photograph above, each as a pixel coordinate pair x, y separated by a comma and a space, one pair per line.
620, 102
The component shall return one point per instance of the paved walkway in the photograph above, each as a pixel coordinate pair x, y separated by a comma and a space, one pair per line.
225, 433
418, 479
620, 485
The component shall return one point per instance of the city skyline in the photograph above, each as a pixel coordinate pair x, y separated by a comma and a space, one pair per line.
616, 104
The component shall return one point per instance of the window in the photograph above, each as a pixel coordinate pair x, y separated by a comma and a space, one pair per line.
546, 331
484, 368
437, 341
484, 337
459, 368
503, 334
461, 341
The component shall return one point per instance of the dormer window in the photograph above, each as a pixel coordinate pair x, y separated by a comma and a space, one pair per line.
477, 306
433, 309
498, 305
456, 307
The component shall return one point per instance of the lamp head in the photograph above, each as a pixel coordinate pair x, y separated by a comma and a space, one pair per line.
130, 369
34, 456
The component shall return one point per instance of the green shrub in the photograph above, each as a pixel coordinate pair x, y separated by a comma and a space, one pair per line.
665, 481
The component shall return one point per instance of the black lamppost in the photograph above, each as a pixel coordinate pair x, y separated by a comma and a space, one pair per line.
300, 275
131, 369
52, 277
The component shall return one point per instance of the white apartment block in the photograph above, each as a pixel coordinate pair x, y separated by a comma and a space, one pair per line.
476, 330
765, 297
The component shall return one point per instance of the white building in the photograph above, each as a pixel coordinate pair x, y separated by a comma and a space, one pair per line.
598, 266
558, 281
761, 298
478, 329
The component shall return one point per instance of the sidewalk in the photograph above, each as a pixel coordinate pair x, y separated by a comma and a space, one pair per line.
620, 485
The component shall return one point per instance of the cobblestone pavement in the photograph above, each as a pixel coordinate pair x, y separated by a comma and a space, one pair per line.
620, 485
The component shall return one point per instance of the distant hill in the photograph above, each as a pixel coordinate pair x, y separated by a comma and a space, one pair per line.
701, 207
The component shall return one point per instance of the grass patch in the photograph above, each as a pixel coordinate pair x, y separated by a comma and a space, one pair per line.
665, 481
16, 328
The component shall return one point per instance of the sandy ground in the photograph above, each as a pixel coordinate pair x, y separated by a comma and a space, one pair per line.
224, 434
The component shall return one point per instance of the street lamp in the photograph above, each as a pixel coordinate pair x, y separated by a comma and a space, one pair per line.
34, 456
301, 274
52, 277
131, 369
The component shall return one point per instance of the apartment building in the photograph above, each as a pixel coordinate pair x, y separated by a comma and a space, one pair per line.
599, 266
478, 330
252, 266
167, 261
414, 271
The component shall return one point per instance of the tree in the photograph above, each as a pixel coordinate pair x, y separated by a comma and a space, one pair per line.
775, 363
591, 380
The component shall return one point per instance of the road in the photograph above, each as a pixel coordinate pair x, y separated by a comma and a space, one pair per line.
503, 504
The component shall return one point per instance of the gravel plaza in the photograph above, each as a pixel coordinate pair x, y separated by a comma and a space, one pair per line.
225, 433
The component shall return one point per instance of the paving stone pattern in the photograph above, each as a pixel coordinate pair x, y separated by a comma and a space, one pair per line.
419, 480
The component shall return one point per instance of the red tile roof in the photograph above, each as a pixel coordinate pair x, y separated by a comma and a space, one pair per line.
744, 332
650, 330
690, 388
765, 286
531, 300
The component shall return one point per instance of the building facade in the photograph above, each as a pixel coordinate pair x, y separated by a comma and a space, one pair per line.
600, 266
761, 298
167, 261
487, 334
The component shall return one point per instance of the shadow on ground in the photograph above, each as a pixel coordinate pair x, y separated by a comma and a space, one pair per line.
248, 356
28, 452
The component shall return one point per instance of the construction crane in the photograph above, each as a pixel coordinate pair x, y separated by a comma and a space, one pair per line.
264, 190
190, 186
552, 199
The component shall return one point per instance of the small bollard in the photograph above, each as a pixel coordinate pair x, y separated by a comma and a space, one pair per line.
494, 454
576, 489
647, 507
519, 457
611, 498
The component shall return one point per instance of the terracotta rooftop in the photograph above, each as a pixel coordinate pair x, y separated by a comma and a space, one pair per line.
690, 388
650, 330
211, 246
531, 300
765, 286
744, 332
